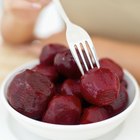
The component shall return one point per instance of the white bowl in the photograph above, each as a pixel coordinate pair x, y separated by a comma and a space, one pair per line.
70, 132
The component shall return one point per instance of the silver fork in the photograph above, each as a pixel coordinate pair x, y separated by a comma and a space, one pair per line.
78, 39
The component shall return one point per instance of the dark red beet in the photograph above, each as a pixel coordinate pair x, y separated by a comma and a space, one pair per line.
63, 109
100, 86
93, 114
66, 65
58, 88
71, 87
29, 93
49, 51
113, 66
124, 83
49, 71
120, 103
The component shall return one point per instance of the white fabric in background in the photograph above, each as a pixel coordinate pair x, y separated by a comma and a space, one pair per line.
49, 22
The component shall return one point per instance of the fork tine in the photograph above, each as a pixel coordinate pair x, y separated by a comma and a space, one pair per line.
82, 56
92, 49
75, 55
87, 53
91, 54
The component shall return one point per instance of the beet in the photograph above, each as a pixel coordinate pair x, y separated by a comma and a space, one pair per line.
66, 65
49, 71
93, 114
120, 103
71, 87
29, 93
100, 86
113, 66
63, 109
49, 51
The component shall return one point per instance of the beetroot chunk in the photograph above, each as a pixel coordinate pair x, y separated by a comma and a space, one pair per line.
63, 109
66, 65
93, 114
113, 66
100, 86
120, 103
29, 93
49, 51
49, 71
71, 87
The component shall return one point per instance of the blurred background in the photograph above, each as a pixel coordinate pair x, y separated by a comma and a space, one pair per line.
55, 24
118, 19
1, 6
12, 56
113, 24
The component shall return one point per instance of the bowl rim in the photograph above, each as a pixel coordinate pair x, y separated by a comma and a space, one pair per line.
59, 126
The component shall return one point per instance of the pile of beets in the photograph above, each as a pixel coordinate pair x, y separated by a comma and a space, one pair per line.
54, 91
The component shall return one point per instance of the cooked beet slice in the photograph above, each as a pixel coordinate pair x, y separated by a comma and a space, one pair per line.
93, 114
120, 103
49, 51
71, 87
63, 109
49, 71
58, 88
66, 65
100, 86
113, 66
29, 93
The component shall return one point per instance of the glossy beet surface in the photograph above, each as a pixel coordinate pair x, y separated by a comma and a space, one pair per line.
93, 114
100, 86
63, 109
49, 51
49, 71
66, 65
71, 87
113, 66
29, 93
120, 103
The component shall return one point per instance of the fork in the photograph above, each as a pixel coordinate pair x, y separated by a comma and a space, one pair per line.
78, 39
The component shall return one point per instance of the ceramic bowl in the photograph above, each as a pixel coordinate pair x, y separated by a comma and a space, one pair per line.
70, 132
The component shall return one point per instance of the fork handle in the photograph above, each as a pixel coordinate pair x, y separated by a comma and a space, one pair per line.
61, 11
